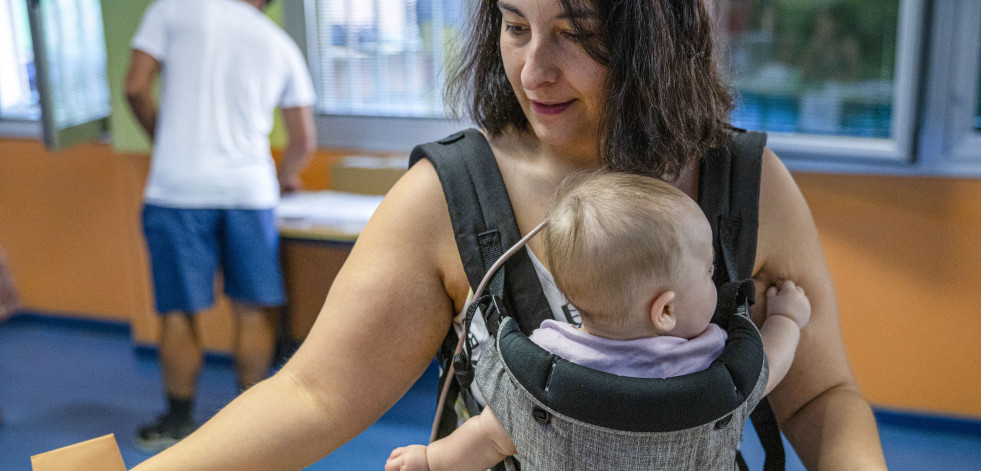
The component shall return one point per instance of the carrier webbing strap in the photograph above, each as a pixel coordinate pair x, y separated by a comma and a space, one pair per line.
478, 203
729, 192
484, 224
767, 429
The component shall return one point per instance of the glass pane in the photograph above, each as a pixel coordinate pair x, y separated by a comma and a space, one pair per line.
383, 57
75, 50
977, 112
18, 89
812, 66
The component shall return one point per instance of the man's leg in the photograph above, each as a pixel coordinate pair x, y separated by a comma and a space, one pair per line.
254, 282
180, 355
184, 256
255, 342
180, 359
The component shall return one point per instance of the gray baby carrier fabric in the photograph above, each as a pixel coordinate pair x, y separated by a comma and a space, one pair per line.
591, 432
572, 419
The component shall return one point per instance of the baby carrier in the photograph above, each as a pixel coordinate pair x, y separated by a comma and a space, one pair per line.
564, 416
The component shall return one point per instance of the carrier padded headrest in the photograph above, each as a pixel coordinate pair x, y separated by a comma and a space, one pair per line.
637, 404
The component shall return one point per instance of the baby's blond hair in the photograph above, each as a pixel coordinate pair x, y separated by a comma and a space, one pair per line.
609, 235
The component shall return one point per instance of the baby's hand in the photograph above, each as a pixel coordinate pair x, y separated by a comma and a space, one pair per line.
408, 458
790, 301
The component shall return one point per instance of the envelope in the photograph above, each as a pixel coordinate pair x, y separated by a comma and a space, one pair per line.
98, 454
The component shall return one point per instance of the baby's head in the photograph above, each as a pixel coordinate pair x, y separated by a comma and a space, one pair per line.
633, 254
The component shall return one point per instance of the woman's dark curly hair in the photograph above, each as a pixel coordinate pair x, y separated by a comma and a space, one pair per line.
666, 101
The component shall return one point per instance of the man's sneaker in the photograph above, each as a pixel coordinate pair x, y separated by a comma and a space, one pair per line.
163, 433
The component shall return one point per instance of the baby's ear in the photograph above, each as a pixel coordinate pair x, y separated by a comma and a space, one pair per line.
662, 312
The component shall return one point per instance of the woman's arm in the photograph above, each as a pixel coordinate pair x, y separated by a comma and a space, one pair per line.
818, 404
384, 318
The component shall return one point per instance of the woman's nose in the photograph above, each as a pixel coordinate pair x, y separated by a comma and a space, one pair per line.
541, 65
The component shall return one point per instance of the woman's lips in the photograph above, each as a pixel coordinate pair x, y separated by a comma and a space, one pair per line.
550, 108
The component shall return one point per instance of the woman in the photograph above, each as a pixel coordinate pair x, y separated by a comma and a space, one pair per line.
556, 85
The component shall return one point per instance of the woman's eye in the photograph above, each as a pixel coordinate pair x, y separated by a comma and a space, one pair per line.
514, 29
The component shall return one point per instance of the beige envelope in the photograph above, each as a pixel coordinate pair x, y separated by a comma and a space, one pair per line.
98, 454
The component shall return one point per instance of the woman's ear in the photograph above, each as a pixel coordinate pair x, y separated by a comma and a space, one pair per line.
662, 312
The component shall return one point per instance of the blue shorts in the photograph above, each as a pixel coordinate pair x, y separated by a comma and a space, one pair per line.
187, 246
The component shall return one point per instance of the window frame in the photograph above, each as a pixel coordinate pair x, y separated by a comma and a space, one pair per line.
16, 128
19, 127
799, 151
932, 132
55, 137
949, 142
371, 133
44, 127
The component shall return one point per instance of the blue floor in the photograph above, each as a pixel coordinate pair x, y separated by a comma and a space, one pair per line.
62, 383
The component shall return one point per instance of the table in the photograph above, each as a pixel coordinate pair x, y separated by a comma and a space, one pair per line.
317, 231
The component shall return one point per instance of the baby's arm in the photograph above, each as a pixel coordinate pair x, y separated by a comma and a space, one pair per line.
479, 444
787, 311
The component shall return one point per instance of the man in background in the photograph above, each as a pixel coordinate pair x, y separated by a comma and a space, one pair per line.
213, 186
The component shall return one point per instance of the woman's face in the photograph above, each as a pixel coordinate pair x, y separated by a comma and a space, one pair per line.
559, 86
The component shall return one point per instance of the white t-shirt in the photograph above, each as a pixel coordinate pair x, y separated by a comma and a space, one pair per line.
225, 67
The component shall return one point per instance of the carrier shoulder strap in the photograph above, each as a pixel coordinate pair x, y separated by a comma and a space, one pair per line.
483, 221
729, 194
484, 226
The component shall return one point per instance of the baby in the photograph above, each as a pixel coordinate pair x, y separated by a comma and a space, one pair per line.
635, 256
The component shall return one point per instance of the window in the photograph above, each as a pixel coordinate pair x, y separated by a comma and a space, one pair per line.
814, 68
887, 86
70, 60
18, 88
831, 78
383, 57
951, 136
379, 68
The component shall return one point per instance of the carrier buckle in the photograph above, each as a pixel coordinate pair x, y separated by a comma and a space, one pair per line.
463, 370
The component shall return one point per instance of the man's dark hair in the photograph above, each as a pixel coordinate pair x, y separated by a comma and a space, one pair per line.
666, 101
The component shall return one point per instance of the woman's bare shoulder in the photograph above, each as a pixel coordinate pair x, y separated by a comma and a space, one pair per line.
787, 242
789, 248
415, 218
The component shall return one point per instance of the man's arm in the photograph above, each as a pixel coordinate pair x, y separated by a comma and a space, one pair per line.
818, 404
302, 137
143, 70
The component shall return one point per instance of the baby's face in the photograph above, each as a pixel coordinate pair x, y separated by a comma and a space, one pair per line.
696, 290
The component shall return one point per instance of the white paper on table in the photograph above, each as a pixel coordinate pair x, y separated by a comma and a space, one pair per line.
337, 211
